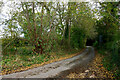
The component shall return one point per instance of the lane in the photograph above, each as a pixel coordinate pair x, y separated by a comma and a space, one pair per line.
55, 69
79, 63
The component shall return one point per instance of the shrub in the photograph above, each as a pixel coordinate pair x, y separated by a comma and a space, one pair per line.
25, 50
77, 38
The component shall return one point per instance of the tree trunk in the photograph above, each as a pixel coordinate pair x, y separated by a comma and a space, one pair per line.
41, 49
28, 21
41, 20
69, 35
35, 34
69, 24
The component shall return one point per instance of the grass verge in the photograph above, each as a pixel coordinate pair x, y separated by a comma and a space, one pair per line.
17, 63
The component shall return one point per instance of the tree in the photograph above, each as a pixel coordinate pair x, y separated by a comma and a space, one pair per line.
82, 23
107, 26
44, 23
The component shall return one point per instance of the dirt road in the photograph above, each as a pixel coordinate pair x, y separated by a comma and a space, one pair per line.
57, 69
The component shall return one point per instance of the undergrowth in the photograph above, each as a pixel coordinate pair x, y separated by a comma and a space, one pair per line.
111, 62
12, 62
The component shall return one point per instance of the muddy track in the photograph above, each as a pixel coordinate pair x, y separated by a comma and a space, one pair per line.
57, 69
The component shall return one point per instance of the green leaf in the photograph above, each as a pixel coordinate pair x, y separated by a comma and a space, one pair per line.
40, 40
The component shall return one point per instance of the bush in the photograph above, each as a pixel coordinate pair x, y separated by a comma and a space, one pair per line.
25, 50
9, 50
77, 38
111, 63
95, 44
118, 45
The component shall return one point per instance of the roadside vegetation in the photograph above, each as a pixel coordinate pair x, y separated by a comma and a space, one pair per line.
55, 31
108, 43
19, 62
